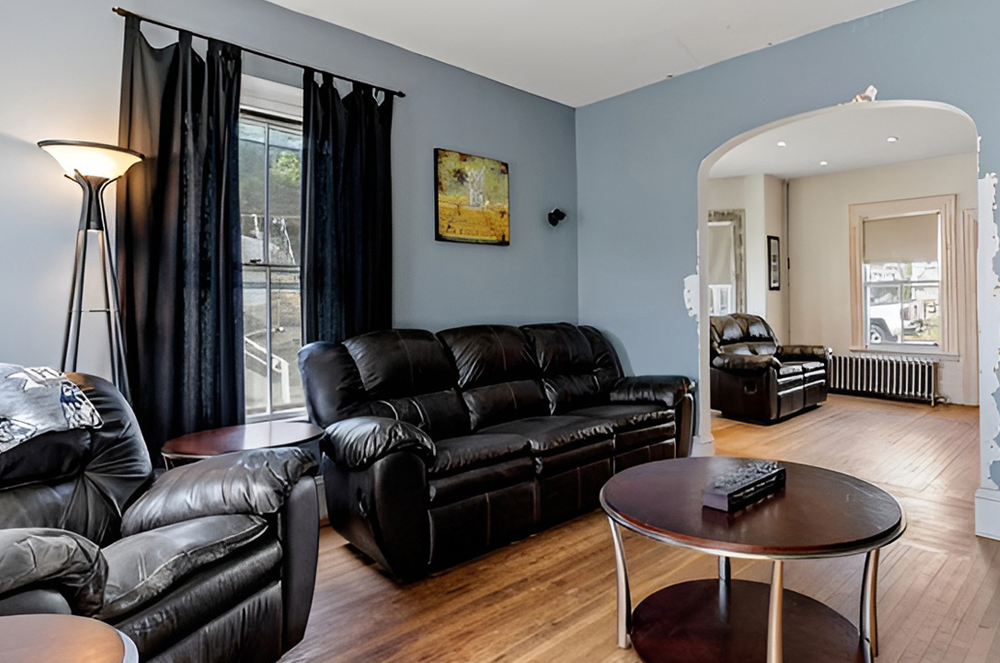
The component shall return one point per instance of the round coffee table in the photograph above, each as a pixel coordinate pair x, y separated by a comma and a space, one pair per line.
820, 513
65, 638
261, 435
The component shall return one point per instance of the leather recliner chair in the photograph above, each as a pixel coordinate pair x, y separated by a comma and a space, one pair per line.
213, 561
754, 378
440, 447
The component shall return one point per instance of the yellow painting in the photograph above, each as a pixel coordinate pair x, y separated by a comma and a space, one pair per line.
473, 199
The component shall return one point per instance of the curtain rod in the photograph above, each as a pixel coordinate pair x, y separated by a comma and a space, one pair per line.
277, 58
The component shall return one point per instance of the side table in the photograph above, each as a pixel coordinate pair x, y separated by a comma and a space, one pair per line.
261, 435
64, 638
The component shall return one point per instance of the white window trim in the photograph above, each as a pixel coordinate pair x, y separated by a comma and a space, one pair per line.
952, 312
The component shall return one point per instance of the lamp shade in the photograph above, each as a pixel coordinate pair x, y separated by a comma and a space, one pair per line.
92, 159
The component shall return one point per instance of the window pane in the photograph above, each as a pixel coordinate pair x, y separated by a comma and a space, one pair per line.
255, 355
286, 339
922, 315
884, 321
285, 200
252, 170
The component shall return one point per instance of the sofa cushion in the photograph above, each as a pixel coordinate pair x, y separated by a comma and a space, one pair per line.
143, 566
504, 402
561, 348
607, 367
490, 354
552, 434
790, 369
569, 392
628, 416
459, 454
439, 414
402, 362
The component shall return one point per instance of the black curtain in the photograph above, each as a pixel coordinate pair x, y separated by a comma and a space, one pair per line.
347, 210
178, 236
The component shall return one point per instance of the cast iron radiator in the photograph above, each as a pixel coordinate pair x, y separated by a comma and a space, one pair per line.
904, 378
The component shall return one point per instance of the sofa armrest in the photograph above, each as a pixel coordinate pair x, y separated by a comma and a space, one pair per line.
298, 533
254, 482
745, 363
804, 352
38, 557
665, 389
359, 442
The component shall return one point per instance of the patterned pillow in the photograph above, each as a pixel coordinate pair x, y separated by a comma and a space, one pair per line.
34, 401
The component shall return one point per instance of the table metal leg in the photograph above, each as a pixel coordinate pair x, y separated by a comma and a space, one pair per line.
869, 618
774, 639
725, 570
624, 598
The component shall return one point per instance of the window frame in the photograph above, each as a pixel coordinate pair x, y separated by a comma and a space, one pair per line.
948, 293
268, 118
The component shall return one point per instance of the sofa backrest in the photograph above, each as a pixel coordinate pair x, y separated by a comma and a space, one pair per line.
81, 480
403, 374
497, 373
461, 379
568, 361
742, 334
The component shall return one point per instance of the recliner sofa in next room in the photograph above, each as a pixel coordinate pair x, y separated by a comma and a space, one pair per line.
439, 447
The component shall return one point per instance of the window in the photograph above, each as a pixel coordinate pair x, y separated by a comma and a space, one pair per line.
903, 280
270, 212
904, 261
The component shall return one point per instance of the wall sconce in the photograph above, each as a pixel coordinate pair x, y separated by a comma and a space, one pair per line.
555, 216
93, 166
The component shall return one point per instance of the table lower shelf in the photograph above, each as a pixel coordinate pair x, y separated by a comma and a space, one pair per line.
708, 621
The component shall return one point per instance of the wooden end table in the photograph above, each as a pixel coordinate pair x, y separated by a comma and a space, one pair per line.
820, 513
64, 638
261, 435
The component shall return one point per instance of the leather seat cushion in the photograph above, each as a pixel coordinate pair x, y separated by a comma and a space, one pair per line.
143, 566
459, 454
548, 435
628, 416
201, 598
808, 366
790, 369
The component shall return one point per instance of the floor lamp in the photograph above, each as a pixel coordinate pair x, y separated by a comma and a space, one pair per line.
93, 166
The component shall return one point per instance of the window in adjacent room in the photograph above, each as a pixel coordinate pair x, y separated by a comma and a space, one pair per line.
270, 213
904, 260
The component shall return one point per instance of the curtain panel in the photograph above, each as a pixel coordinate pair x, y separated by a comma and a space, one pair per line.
178, 236
347, 210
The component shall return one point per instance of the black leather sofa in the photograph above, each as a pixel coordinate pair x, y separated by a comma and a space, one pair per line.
213, 561
439, 447
754, 378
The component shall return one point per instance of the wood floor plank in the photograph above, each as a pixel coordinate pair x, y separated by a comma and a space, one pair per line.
552, 597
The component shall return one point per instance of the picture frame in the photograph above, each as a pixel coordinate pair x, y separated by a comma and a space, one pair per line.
773, 263
472, 198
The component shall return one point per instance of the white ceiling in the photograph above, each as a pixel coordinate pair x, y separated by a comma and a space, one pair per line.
581, 51
852, 136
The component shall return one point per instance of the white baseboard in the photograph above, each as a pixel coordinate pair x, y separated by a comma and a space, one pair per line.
988, 513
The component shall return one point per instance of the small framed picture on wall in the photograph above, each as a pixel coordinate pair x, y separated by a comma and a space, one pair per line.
773, 263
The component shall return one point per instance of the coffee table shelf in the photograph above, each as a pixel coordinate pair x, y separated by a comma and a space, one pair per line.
715, 621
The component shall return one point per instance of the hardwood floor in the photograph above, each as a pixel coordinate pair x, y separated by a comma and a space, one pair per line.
552, 597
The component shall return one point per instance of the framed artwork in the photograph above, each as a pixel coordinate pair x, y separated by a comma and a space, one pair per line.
773, 263
472, 202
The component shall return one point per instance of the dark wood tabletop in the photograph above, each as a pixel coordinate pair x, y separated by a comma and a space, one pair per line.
819, 513
64, 638
261, 435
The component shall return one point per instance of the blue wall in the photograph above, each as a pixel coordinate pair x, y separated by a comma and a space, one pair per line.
638, 154
61, 78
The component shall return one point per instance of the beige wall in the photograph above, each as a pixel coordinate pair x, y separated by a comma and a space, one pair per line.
818, 245
763, 199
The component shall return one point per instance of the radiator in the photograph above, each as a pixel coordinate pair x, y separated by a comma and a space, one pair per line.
904, 378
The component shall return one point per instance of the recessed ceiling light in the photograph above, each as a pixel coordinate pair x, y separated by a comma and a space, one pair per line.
782, 143
891, 139
824, 163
